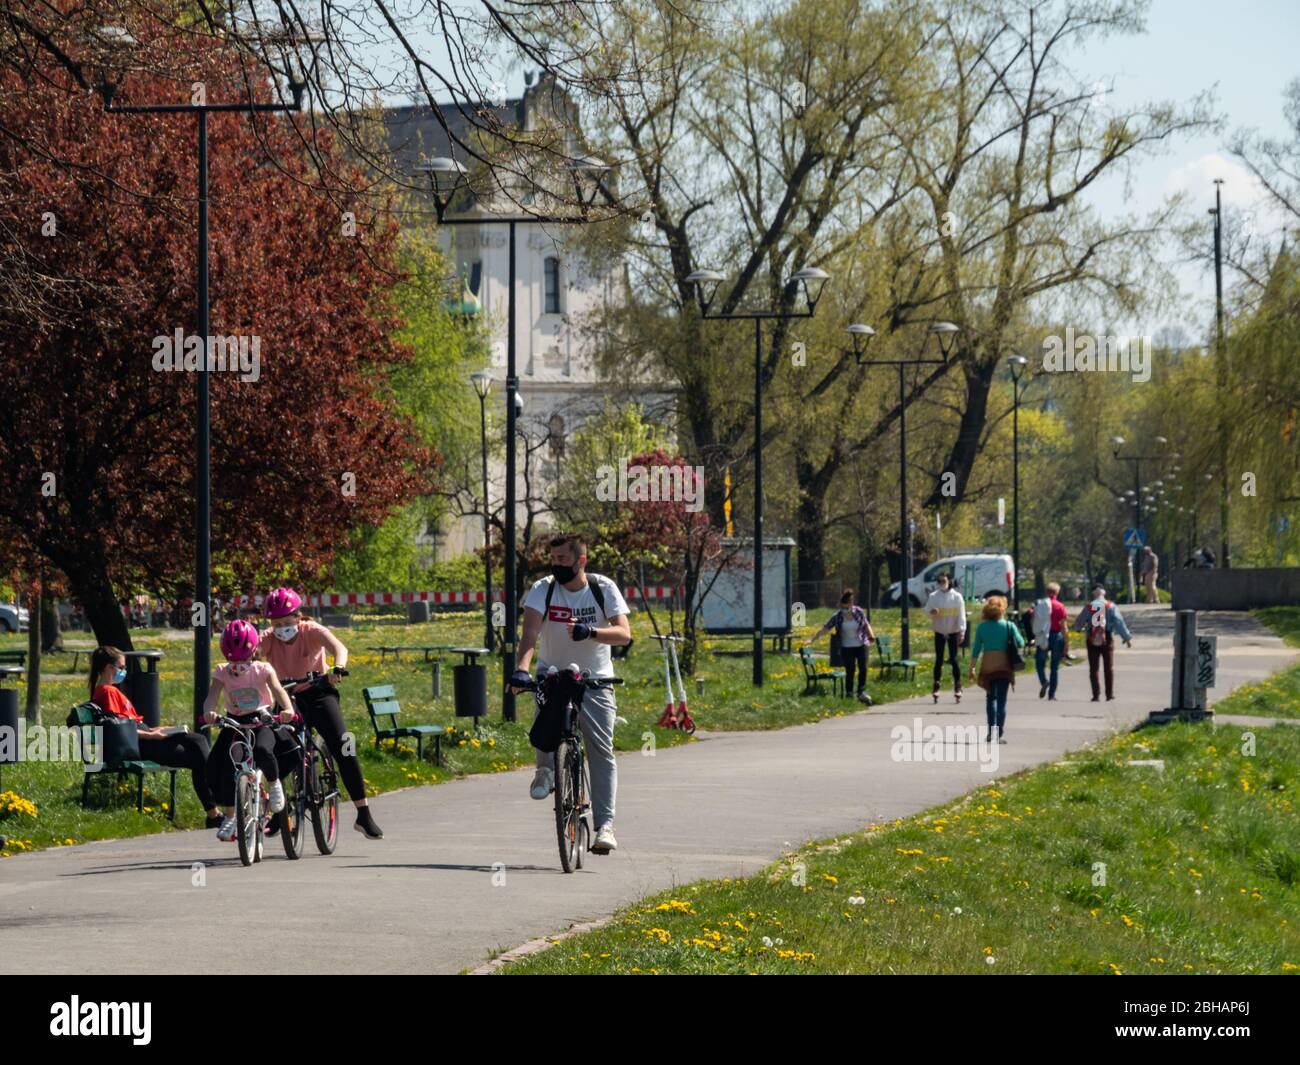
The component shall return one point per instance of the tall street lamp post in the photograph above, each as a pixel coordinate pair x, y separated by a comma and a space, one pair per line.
483, 385
1017, 364
446, 177
945, 336
1135, 493
287, 40
810, 281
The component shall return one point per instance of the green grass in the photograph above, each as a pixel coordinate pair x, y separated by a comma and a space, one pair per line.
729, 702
1284, 621
1201, 866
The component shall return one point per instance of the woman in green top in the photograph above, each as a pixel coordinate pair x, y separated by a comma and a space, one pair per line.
991, 646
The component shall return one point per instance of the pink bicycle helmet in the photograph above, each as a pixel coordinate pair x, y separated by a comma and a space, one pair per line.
282, 603
239, 641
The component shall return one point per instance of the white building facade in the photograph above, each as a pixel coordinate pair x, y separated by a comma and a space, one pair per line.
556, 291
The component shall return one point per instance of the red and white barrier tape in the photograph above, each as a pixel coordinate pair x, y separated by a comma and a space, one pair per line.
632, 595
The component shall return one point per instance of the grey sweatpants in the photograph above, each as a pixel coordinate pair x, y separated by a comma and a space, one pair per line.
597, 723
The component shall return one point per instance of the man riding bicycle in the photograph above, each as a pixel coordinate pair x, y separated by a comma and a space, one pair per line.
579, 617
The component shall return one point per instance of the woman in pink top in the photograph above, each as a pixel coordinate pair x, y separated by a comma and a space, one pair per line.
295, 645
247, 687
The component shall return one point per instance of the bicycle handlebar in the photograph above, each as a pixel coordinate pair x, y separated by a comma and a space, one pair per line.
589, 683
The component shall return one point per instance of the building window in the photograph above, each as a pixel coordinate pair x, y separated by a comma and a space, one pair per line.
552, 291
476, 276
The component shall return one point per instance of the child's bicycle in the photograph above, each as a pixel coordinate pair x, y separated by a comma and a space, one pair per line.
675, 715
311, 784
573, 827
252, 805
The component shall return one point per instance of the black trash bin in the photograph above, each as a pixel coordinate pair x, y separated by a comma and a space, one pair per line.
10, 751
417, 612
469, 684
141, 685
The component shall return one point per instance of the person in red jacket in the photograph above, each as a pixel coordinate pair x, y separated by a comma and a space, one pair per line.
176, 750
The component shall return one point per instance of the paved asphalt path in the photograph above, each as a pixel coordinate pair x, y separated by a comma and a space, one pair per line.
428, 899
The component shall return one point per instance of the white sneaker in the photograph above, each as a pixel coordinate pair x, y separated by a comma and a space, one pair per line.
277, 797
605, 840
226, 833
543, 783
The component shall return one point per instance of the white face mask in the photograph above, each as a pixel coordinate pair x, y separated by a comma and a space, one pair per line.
286, 632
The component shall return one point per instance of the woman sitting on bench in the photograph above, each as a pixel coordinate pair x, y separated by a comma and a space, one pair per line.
175, 750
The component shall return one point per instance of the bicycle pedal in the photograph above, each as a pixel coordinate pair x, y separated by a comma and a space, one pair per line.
598, 850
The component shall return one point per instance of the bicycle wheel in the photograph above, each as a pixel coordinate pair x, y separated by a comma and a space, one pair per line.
325, 801
568, 791
291, 817
246, 817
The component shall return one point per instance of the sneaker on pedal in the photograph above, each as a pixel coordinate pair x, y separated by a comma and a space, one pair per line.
277, 797
543, 783
226, 833
604, 841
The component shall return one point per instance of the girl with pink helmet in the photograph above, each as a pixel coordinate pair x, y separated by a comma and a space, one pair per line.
295, 645
249, 687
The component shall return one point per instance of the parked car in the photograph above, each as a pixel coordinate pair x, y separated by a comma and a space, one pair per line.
973, 575
13, 618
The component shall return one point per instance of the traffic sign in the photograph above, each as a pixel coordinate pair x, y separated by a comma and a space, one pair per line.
1134, 537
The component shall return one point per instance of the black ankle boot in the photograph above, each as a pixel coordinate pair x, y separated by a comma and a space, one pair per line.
366, 824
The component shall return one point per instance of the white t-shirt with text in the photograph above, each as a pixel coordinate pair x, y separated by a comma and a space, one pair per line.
555, 648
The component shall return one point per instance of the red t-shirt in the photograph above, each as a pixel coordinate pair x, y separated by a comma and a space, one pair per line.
1059, 616
112, 701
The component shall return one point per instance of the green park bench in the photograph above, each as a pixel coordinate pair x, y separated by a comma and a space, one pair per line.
136, 767
13, 658
396, 651
382, 702
814, 676
886, 661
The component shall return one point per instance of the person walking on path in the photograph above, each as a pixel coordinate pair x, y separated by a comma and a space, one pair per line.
1150, 570
855, 635
1050, 626
1101, 620
992, 649
947, 611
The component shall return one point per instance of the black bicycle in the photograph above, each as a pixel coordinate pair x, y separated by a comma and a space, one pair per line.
312, 782
562, 692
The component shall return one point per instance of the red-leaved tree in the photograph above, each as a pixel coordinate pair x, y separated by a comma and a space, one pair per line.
98, 230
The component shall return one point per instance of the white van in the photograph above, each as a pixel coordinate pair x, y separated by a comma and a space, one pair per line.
975, 576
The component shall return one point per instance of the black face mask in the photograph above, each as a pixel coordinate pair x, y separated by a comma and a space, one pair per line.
563, 574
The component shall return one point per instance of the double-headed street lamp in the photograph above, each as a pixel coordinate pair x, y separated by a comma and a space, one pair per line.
446, 178
810, 281
1136, 492
115, 40
1017, 365
482, 381
945, 336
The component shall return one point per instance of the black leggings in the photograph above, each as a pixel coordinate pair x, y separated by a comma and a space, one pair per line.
183, 750
221, 770
854, 657
948, 640
321, 709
